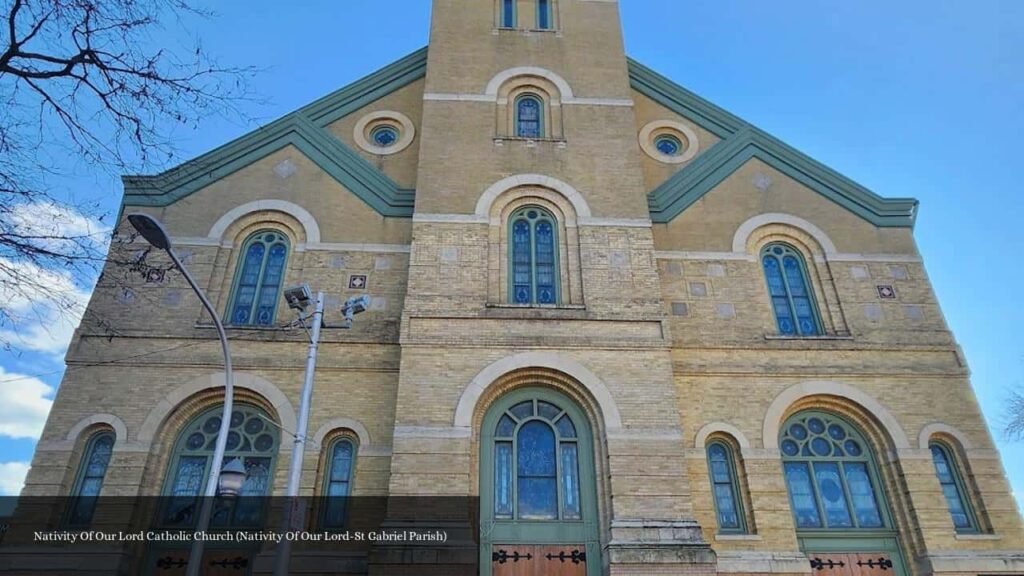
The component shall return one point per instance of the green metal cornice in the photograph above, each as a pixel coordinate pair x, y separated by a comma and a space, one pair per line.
740, 142
305, 130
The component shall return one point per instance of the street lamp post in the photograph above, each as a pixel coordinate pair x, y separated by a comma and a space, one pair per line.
154, 233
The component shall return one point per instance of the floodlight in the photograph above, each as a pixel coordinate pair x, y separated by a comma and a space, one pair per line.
298, 297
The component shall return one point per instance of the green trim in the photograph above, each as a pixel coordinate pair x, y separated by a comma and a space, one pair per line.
741, 142
503, 531
541, 108
80, 477
557, 271
954, 468
325, 485
734, 485
819, 327
306, 130
240, 263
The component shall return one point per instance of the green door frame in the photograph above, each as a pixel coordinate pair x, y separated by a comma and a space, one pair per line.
540, 532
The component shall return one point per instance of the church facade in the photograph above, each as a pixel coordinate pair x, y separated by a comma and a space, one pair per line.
648, 336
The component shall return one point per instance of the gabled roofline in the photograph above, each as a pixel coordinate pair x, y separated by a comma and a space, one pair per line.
741, 141
304, 129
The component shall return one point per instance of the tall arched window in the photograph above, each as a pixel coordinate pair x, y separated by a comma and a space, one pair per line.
790, 291
338, 482
543, 14
725, 487
508, 13
89, 482
953, 488
258, 279
529, 119
830, 474
252, 438
533, 256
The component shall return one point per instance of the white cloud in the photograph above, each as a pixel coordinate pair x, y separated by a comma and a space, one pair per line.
12, 477
24, 405
53, 223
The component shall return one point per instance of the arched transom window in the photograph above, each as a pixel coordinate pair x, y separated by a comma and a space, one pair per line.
533, 251
830, 474
790, 291
953, 488
252, 438
725, 487
529, 118
87, 488
536, 464
258, 279
338, 482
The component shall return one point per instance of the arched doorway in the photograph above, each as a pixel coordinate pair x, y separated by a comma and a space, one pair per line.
538, 496
842, 516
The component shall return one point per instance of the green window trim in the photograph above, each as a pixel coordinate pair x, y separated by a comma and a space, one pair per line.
534, 270
731, 484
790, 291
522, 126
338, 481
92, 471
253, 437
954, 489
259, 277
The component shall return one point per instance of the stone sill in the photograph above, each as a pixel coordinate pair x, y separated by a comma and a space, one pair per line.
823, 337
537, 306
500, 140
738, 537
978, 537
503, 29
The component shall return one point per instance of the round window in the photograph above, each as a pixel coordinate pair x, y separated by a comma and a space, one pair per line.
384, 136
668, 145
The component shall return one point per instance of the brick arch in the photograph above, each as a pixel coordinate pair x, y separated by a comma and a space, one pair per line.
108, 421
565, 91
308, 221
940, 429
579, 204
739, 239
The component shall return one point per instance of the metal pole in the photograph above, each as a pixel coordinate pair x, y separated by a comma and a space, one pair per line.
195, 558
293, 514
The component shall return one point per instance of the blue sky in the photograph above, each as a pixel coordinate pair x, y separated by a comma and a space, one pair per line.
911, 98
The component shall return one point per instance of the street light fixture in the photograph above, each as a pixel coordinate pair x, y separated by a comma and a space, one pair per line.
232, 477
154, 233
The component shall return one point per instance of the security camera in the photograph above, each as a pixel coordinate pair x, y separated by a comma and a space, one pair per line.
353, 306
298, 297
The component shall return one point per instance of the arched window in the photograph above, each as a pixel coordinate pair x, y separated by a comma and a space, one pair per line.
953, 488
830, 475
790, 291
338, 482
529, 119
725, 487
252, 438
533, 256
87, 487
258, 279
543, 14
536, 470
508, 13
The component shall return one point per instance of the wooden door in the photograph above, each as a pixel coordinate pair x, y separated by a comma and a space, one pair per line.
532, 560
845, 564
215, 563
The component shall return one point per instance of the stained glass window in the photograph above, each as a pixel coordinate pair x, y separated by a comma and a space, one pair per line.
536, 464
529, 117
789, 290
508, 13
543, 14
95, 460
724, 487
952, 488
533, 266
384, 136
668, 145
259, 277
251, 438
338, 480
829, 473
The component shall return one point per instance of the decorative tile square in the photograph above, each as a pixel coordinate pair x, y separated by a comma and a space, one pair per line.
873, 312
886, 292
725, 310
762, 181
859, 272
332, 302
155, 275
382, 263
126, 296
716, 270
450, 254
913, 312
698, 289
898, 272
674, 269
357, 282
171, 298
338, 261
618, 258
285, 169
379, 303
680, 309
